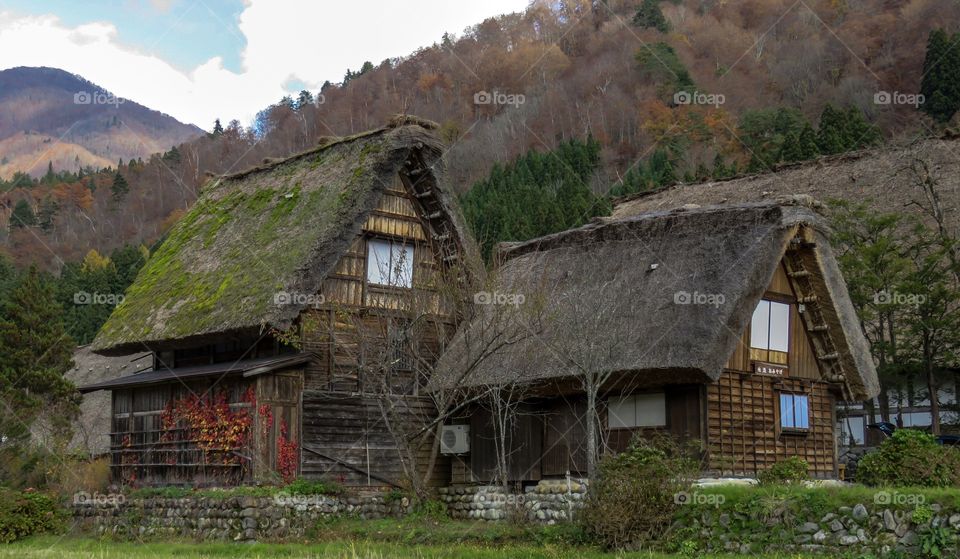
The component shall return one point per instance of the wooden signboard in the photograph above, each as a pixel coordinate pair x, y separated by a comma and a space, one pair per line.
770, 369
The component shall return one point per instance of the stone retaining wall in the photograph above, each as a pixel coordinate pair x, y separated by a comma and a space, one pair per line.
228, 518
875, 529
547, 502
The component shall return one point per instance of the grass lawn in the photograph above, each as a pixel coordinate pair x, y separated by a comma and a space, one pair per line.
52, 547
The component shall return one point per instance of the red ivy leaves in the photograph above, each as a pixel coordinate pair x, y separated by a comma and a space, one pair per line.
286, 455
210, 422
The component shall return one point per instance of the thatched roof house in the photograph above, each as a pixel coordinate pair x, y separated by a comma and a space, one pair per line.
618, 281
886, 178
665, 300
280, 227
288, 292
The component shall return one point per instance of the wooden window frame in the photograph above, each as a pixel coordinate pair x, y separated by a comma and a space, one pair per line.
402, 241
783, 300
778, 416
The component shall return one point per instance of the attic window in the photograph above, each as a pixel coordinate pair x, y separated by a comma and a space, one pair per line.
389, 263
770, 332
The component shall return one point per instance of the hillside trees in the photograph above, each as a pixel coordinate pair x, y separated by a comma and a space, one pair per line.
940, 84
35, 352
535, 194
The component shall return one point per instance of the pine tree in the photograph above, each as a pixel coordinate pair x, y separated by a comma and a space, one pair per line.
22, 215
649, 16
35, 352
47, 213
831, 135
119, 188
940, 84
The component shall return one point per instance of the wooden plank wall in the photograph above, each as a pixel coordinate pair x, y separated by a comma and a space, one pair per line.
139, 453
802, 361
349, 429
352, 321
742, 421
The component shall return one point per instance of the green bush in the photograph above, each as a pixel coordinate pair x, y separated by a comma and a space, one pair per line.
635, 494
302, 486
26, 513
911, 458
791, 471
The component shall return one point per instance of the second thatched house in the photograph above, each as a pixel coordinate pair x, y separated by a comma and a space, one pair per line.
292, 315
727, 326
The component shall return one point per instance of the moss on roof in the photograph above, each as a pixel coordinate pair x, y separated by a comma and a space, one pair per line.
280, 227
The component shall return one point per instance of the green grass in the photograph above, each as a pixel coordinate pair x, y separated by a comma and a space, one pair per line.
49, 547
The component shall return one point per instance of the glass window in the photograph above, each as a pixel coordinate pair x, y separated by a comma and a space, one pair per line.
852, 429
794, 411
638, 410
389, 263
770, 326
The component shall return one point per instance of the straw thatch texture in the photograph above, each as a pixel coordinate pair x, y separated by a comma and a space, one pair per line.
885, 178
663, 297
92, 428
278, 227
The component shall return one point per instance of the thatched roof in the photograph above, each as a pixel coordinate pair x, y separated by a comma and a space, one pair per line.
278, 227
608, 297
92, 428
885, 178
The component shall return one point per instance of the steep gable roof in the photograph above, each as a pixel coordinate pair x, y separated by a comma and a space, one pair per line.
665, 295
278, 227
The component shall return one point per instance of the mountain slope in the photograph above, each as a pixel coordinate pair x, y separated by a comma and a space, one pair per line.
72, 110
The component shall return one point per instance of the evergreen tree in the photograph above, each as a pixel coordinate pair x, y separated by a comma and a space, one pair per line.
800, 147
22, 215
305, 99
50, 177
47, 213
535, 194
119, 188
217, 128
35, 352
845, 130
940, 84
649, 16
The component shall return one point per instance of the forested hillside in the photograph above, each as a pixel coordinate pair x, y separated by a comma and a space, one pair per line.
647, 92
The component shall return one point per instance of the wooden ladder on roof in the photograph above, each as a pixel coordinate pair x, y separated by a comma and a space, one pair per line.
422, 185
811, 311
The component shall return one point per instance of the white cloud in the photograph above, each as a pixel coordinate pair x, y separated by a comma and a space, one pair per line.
285, 40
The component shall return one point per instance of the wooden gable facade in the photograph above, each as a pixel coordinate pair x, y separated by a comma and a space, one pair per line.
775, 397
323, 393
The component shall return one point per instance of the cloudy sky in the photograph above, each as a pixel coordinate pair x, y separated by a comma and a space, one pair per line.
202, 59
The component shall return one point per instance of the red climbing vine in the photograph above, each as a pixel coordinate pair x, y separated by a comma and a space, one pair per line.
211, 423
286, 455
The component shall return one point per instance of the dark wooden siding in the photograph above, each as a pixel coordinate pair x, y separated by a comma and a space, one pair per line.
345, 438
565, 437
524, 444
684, 405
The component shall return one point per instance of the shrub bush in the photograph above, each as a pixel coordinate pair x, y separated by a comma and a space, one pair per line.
911, 458
634, 495
302, 486
791, 471
26, 513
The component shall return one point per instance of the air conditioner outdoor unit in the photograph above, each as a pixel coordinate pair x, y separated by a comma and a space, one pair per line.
455, 439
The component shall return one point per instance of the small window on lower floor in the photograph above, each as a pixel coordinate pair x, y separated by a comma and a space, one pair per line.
637, 410
794, 412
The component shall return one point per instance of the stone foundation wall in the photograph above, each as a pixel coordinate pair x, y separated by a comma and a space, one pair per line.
228, 518
547, 502
862, 529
